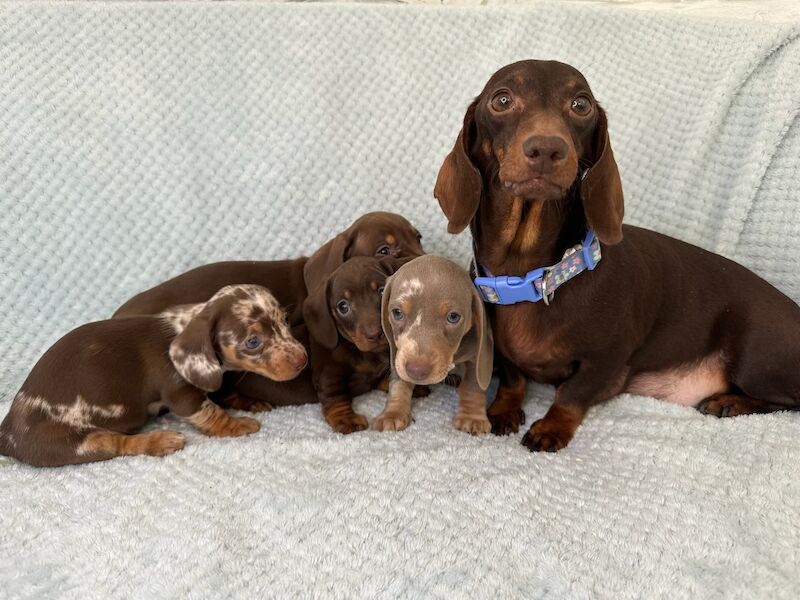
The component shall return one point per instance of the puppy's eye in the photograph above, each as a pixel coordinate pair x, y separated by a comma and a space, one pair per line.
581, 106
502, 101
453, 317
252, 342
383, 250
343, 307
380, 290
397, 314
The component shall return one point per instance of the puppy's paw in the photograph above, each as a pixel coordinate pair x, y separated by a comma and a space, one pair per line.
472, 424
162, 443
504, 423
236, 427
349, 423
546, 436
421, 391
239, 402
391, 421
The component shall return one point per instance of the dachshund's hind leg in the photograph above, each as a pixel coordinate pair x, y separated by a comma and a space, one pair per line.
102, 445
732, 405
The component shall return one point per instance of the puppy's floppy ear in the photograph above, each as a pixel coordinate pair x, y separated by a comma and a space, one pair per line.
484, 354
387, 325
318, 318
192, 351
459, 185
601, 188
328, 258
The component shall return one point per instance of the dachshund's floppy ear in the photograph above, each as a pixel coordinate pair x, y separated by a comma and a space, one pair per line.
387, 326
459, 185
484, 353
327, 259
601, 188
317, 315
192, 351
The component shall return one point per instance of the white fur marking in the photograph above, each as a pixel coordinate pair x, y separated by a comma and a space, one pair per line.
79, 415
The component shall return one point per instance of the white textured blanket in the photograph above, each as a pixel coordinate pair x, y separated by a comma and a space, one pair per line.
137, 140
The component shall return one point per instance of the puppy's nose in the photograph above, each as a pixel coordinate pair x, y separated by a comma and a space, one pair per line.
544, 153
374, 335
418, 369
299, 361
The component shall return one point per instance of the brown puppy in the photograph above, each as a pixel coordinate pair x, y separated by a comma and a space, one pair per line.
349, 353
102, 381
373, 234
531, 171
435, 322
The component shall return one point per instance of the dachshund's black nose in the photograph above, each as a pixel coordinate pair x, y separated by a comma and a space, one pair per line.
544, 153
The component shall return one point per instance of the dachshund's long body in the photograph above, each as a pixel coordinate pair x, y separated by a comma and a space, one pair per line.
533, 170
97, 385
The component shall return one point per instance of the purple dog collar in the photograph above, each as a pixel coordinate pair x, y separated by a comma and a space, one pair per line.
540, 284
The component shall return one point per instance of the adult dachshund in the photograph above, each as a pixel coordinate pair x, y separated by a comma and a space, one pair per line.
533, 175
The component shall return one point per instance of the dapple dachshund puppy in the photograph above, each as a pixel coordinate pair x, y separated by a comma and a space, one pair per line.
101, 382
435, 322
373, 234
533, 175
349, 352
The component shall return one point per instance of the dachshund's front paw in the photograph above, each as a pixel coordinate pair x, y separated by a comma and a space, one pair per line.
239, 402
547, 435
237, 426
391, 421
350, 423
504, 423
472, 424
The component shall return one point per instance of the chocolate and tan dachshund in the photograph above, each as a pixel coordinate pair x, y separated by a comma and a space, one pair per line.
533, 175
97, 385
436, 325
378, 234
349, 352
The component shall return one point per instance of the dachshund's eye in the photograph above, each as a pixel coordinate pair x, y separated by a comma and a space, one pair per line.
380, 290
453, 317
397, 314
343, 307
252, 342
502, 101
383, 250
581, 106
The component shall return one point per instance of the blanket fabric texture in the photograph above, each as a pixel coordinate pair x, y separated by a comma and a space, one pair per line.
138, 140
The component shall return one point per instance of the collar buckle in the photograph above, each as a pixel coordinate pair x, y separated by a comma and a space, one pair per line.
509, 289
541, 283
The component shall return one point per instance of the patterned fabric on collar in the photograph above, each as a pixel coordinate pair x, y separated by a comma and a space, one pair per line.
540, 284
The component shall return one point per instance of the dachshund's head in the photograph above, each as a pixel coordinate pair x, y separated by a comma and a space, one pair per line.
533, 131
